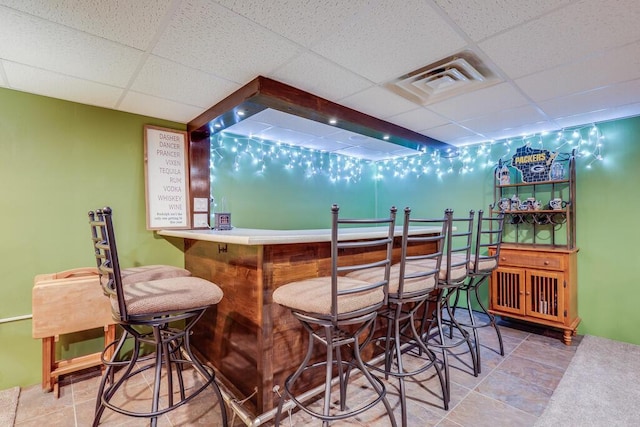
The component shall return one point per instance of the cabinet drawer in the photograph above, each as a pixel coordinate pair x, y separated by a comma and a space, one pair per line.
532, 259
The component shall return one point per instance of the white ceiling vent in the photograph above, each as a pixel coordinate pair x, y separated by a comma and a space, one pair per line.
452, 76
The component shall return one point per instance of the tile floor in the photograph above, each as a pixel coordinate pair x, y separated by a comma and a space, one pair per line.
511, 391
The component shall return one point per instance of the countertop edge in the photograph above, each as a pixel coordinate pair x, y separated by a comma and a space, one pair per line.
249, 236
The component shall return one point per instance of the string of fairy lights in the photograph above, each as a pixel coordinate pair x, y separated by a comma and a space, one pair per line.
258, 156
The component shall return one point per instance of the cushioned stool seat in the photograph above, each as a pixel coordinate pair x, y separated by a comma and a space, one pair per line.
168, 295
314, 296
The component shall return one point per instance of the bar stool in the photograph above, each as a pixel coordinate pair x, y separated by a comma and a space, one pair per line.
453, 274
338, 311
409, 288
488, 234
150, 312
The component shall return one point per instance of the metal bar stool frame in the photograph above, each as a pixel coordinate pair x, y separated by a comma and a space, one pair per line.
453, 274
489, 232
335, 328
411, 283
172, 344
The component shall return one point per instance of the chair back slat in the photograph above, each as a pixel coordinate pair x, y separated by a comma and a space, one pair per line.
489, 233
458, 249
379, 254
106, 254
425, 260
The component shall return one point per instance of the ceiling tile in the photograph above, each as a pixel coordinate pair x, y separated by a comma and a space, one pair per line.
614, 66
284, 135
165, 79
599, 99
319, 76
147, 105
482, 18
418, 119
32, 41
448, 132
3, 75
289, 121
574, 56
132, 23
378, 102
570, 33
302, 21
325, 144
34, 80
468, 140
239, 51
248, 127
506, 119
522, 131
391, 39
480, 102
628, 110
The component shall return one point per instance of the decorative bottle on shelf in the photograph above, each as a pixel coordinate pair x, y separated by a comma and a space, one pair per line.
556, 172
503, 174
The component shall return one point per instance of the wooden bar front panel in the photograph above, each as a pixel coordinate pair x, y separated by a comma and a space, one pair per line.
253, 342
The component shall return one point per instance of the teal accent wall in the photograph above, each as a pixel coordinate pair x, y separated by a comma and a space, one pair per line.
608, 202
60, 159
284, 198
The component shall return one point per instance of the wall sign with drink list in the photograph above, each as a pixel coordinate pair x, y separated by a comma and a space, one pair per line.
166, 170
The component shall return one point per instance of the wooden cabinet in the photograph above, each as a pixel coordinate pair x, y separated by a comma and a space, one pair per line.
538, 285
536, 278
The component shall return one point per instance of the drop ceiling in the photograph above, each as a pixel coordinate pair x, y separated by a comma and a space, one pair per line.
276, 126
557, 63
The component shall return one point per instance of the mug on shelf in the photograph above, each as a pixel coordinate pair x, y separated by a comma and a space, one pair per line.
533, 204
557, 204
515, 203
504, 204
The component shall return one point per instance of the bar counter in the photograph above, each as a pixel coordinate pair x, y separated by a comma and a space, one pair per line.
251, 341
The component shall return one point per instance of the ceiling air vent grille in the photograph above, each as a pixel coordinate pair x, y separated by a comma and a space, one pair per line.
449, 77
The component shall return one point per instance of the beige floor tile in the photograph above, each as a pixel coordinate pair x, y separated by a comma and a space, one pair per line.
510, 390
515, 392
482, 411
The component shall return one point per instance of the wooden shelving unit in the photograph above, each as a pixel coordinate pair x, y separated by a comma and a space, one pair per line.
536, 278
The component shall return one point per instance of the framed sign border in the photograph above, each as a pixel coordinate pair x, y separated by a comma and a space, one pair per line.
185, 178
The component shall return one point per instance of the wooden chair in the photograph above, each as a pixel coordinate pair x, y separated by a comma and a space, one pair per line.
151, 313
338, 312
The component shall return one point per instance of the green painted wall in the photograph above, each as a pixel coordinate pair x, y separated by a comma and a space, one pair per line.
49, 177
608, 237
58, 160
